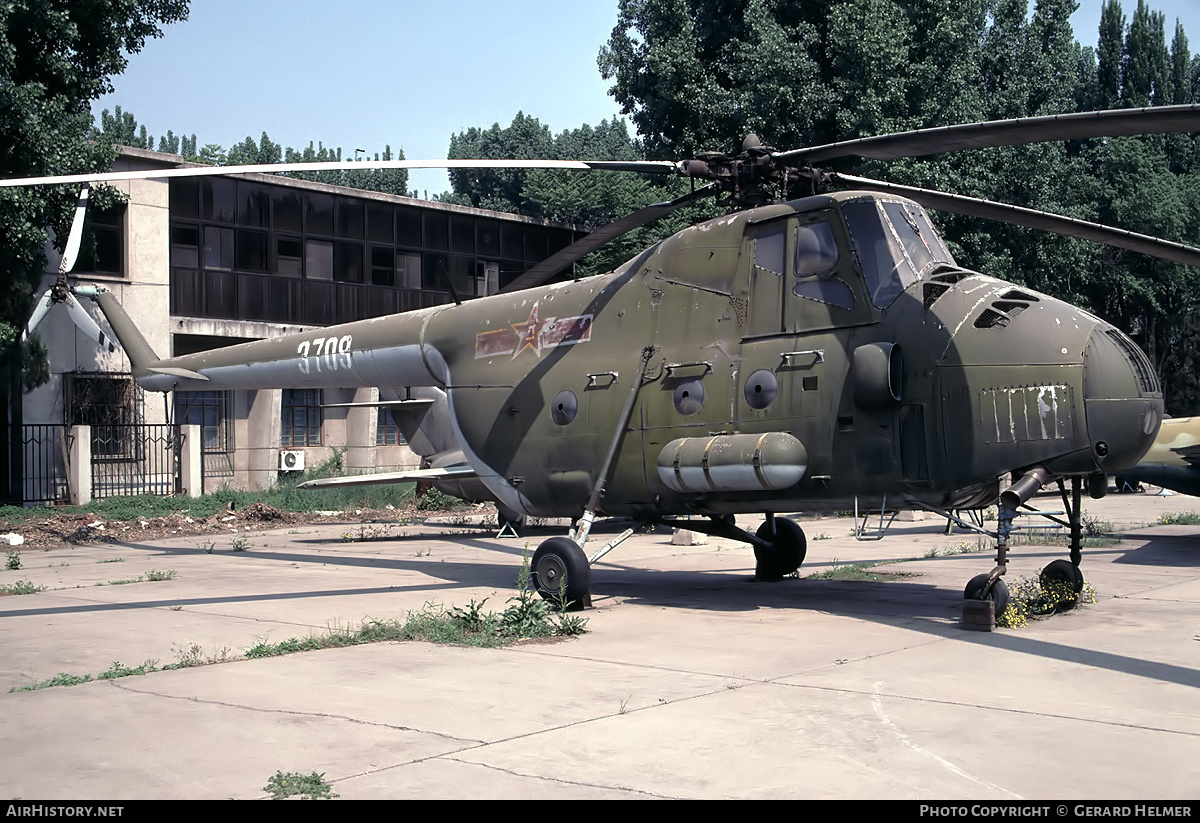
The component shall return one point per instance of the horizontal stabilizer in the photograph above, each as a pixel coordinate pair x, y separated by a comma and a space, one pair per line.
380, 404
413, 476
176, 372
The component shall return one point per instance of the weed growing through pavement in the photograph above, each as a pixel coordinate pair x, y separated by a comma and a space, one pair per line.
12, 559
154, 575
283, 785
21, 587
1029, 599
858, 571
527, 616
1184, 518
962, 547
186, 657
239, 544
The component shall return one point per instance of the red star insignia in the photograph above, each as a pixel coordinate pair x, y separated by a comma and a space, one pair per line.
529, 334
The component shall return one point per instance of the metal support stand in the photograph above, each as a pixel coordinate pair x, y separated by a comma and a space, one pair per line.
860, 531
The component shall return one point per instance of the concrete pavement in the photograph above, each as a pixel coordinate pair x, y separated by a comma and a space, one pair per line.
693, 681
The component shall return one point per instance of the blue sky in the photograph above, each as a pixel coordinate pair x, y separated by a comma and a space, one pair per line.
375, 72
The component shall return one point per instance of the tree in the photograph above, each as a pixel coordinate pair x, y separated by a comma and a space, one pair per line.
589, 199
55, 58
694, 74
526, 138
249, 153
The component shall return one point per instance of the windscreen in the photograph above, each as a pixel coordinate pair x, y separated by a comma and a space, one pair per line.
896, 245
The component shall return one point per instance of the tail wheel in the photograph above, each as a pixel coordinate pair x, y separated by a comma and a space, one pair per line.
784, 552
561, 574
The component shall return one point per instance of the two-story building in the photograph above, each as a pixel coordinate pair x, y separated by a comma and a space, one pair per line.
205, 262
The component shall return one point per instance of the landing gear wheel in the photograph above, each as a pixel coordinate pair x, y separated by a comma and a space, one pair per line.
784, 553
560, 572
1062, 581
998, 595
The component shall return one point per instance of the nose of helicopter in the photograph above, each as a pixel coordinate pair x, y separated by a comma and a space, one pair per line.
1122, 399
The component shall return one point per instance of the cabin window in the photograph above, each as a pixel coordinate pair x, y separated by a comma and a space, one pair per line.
886, 269
769, 250
816, 259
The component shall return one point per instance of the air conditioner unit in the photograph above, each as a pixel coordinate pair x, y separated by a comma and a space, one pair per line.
291, 461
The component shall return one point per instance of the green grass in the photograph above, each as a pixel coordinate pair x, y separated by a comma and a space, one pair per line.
526, 616
283, 496
859, 571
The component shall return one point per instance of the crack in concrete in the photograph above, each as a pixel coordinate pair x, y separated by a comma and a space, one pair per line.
469, 742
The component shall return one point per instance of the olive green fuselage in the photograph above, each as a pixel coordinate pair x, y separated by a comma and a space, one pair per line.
838, 321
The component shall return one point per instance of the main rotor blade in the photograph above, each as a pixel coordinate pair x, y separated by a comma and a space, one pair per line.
1051, 128
1033, 219
642, 166
544, 271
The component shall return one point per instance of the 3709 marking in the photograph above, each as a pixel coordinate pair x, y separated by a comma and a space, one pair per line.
330, 352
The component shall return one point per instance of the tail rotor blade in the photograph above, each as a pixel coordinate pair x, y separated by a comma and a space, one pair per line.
39, 311
87, 325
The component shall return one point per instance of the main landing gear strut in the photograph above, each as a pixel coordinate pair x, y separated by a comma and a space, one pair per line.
561, 571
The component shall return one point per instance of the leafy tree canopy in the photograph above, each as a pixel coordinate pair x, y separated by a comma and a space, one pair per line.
585, 199
699, 74
55, 58
121, 128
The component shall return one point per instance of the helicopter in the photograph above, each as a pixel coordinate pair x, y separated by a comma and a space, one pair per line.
1173, 460
815, 346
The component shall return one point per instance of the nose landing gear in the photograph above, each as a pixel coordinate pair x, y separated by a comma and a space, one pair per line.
1061, 581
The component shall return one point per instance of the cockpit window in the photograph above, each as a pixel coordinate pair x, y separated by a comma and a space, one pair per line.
816, 264
896, 246
917, 235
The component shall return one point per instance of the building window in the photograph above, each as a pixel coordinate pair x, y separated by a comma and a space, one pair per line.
301, 415
218, 248
387, 433
110, 405
318, 260
260, 251
103, 246
210, 411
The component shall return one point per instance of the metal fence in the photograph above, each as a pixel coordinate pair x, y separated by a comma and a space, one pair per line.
44, 466
130, 459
